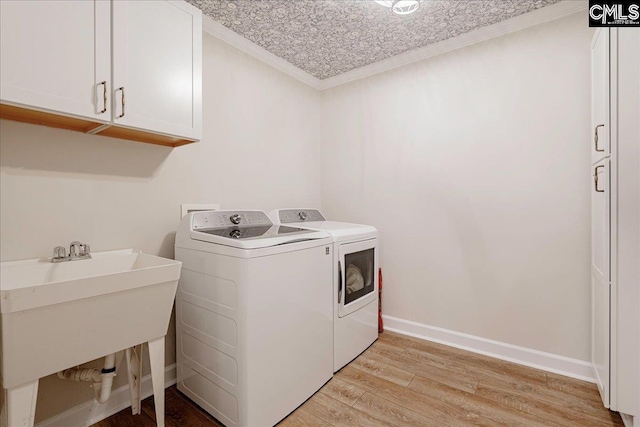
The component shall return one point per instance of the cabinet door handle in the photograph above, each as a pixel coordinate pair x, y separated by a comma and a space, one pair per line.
123, 102
595, 178
104, 96
595, 137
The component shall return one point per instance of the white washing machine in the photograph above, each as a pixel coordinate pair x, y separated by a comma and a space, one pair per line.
254, 316
355, 280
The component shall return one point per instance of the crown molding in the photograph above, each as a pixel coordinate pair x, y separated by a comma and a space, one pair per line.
545, 14
236, 40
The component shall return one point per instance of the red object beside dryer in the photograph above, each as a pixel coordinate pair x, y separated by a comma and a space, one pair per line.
380, 325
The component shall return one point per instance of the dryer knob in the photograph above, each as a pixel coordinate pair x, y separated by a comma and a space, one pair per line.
235, 218
302, 215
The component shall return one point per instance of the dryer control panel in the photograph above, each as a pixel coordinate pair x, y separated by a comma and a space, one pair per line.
300, 215
226, 219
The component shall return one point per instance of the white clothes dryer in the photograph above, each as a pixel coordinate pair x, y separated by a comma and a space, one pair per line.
355, 280
254, 315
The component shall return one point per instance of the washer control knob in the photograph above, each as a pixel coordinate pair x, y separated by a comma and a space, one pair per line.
303, 215
235, 218
235, 234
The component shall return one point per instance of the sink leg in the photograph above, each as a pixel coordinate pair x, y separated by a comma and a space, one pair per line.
21, 405
134, 373
156, 358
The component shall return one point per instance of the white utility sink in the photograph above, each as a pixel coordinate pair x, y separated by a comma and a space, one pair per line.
58, 315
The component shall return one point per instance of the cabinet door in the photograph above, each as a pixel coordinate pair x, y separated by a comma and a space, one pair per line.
600, 278
157, 67
55, 56
600, 94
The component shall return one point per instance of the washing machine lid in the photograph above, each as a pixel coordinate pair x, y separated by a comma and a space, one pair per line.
312, 219
246, 230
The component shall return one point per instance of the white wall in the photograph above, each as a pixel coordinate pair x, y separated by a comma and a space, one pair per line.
260, 150
474, 166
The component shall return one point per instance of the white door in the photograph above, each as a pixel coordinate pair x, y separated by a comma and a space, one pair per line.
56, 56
157, 56
357, 275
600, 93
600, 279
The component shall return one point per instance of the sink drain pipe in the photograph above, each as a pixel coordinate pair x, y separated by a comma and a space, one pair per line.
102, 378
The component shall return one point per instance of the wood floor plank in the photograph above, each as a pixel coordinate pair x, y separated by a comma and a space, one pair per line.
396, 340
569, 402
421, 358
302, 418
448, 415
481, 362
214, 422
486, 408
539, 408
383, 371
438, 391
392, 414
574, 387
124, 418
179, 412
337, 413
459, 380
472, 365
342, 391
386, 347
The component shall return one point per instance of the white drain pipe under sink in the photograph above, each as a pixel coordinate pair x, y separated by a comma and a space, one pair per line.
102, 378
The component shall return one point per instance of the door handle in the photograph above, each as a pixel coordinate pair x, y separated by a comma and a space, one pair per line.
339, 282
595, 178
122, 89
104, 97
595, 138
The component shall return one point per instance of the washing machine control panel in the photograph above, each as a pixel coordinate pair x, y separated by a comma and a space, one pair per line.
225, 219
300, 215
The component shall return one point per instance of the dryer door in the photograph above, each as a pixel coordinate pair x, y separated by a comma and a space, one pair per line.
357, 275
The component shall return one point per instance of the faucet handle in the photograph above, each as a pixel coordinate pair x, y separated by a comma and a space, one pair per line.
74, 248
85, 249
59, 252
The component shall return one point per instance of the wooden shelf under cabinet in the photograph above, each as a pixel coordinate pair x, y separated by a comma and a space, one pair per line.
142, 136
25, 115
18, 114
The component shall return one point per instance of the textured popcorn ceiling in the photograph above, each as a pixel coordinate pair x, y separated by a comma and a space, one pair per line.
329, 37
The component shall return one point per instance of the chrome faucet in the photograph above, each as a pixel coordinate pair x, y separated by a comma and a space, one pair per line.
77, 251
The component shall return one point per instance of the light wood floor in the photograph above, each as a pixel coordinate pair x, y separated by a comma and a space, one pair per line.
402, 381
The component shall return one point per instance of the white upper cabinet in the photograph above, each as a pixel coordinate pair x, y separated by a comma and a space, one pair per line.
600, 95
157, 57
55, 56
126, 69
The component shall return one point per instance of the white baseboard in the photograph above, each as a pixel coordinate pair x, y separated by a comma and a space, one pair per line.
628, 420
562, 365
91, 412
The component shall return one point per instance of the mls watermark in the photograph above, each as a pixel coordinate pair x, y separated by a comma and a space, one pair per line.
614, 13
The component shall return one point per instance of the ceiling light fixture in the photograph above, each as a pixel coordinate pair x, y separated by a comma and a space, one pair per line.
401, 7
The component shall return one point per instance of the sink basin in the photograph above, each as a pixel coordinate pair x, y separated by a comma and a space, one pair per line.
55, 316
